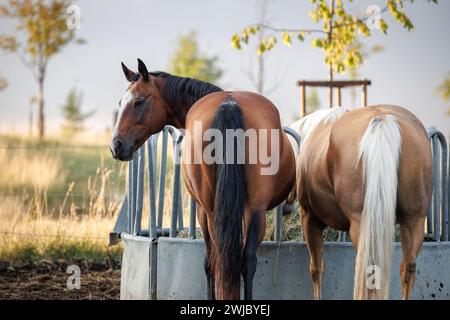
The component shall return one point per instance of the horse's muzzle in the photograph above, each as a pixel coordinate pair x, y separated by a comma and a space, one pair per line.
119, 151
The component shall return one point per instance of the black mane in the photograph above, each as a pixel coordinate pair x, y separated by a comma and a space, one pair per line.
181, 93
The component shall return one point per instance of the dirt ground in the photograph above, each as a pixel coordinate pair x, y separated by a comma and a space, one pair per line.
48, 281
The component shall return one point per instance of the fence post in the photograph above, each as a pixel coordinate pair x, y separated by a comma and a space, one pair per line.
151, 188
162, 178
175, 200
445, 184
278, 223
140, 190
440, 206
153, 249
177, 138
130, 196
436, 191
429, 230
153, 263
134, 166
180, 209
192, 219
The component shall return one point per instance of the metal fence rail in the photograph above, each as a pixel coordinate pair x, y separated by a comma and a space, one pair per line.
130, 216
438, 214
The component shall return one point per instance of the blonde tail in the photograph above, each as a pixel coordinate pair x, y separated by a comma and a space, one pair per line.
379, 152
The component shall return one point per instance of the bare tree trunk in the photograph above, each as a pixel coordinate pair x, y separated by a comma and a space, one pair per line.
40, 102
260, 79
330, 78
260, 86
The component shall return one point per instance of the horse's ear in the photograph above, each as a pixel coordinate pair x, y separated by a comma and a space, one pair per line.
130, 75
143, 69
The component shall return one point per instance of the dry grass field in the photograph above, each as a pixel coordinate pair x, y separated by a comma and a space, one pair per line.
58, 203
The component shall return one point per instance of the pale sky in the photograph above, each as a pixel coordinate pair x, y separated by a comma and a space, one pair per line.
406, 73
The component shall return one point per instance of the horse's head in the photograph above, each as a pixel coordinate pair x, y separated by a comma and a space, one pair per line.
142, 112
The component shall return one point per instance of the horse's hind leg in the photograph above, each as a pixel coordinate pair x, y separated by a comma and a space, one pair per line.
255, 225
411, 234
203, 221
312, 231
289, 205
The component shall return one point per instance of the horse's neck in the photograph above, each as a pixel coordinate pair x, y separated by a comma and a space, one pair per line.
179, 120
187, 93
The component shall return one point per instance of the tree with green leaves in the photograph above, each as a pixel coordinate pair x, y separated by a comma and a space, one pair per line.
73, 116
336, 35
188, 61
41, 32
444, 90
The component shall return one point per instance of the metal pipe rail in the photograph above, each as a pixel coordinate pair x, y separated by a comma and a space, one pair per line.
130, 216
438, 214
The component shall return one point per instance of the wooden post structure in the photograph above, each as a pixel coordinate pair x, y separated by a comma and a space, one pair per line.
302, 101
364, 94
338, 84
330, 96
339, 99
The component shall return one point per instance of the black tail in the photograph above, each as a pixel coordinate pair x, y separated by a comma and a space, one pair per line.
229, 201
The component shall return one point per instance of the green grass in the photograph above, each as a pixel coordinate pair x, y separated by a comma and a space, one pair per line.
79, 164
81, 178
35, 250
80, 167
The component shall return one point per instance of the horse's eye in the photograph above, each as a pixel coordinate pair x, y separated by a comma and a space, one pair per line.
139, 102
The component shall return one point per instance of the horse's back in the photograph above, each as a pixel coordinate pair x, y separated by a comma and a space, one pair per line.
258, 111
329, 172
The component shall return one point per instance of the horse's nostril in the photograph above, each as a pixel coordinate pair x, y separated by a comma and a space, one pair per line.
117, 145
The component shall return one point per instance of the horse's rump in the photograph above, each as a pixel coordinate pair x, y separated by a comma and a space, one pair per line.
415, 167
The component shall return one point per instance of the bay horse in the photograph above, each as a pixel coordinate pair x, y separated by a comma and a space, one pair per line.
362, 171
232, 196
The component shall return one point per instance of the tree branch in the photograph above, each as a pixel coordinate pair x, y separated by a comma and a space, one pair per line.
268, 27
280, 29
26, 63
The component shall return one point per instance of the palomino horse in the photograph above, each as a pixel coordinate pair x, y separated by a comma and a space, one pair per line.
361, 171
233, 195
